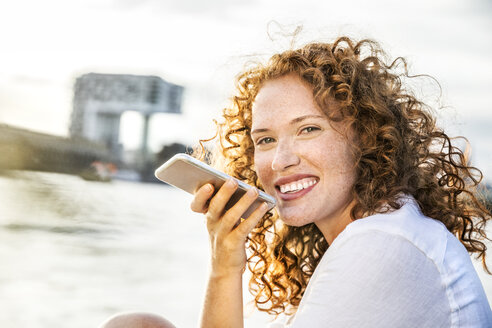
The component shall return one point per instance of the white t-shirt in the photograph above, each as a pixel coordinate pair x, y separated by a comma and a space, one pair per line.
399, 269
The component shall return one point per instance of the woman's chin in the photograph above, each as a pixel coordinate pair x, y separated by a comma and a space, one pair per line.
293, 221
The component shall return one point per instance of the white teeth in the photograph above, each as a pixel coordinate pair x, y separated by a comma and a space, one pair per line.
297, 185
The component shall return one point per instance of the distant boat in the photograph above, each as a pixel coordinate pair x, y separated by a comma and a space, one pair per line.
99, 171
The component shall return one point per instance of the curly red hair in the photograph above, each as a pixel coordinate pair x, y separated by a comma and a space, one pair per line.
399, 150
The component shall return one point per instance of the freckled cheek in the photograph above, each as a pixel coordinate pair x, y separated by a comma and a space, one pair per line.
263, 168
337, 154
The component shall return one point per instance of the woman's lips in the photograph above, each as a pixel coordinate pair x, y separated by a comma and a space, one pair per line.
297, 185
296, 189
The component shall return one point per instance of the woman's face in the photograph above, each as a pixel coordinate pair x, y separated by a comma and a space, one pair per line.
299, 157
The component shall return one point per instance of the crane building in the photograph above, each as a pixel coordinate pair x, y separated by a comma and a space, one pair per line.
100, 100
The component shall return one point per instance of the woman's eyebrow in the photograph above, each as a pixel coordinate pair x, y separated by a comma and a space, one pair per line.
294, 121
259, 131
302, 118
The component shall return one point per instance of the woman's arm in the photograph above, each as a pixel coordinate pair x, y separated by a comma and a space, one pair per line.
223, 306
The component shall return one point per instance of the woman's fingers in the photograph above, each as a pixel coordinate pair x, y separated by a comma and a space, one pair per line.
234, 214
219, 201
245, 227
202, 196
203, 202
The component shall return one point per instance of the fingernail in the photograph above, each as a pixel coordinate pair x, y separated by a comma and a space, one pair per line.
264, 206
208, 187
231, 183
253, 192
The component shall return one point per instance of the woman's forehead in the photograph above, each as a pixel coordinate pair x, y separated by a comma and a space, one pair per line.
282, 86
286, 97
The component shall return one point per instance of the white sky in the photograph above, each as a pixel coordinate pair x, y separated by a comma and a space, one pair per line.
201, 45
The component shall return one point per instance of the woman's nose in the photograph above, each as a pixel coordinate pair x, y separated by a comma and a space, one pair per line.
285, 157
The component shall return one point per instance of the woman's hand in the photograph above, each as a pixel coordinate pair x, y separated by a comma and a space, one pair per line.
226, 229
223, 306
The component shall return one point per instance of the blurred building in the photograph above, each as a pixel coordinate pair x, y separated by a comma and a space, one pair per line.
101, 99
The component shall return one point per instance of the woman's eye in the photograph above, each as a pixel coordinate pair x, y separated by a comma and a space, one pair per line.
309, 129
265, 140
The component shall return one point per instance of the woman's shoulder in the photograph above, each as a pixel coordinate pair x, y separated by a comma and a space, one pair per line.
389, 247
370, 267
428, 235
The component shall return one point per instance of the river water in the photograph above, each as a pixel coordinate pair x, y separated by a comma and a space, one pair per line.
73, 252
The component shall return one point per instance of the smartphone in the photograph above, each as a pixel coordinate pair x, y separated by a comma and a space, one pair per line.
189, 174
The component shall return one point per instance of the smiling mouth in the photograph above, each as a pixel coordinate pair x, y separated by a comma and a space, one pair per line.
296, 186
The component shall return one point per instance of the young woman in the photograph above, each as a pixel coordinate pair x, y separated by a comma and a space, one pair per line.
377, 212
